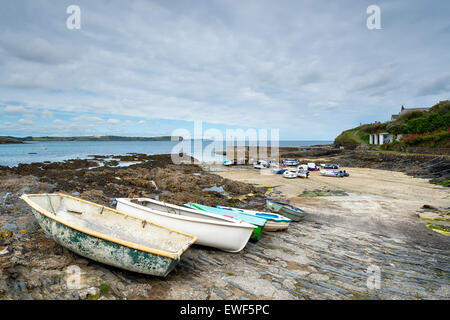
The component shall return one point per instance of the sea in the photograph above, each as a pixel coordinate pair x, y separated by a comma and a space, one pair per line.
203, 150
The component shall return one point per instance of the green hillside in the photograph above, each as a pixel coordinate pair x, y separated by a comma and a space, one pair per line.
430, 129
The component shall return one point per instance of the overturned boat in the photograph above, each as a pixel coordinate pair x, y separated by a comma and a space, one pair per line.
109, 236
212, 230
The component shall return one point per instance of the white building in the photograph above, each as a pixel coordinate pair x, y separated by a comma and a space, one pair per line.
381, 138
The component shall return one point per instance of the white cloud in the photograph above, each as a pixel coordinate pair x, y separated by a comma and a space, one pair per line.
256, 63
113, 121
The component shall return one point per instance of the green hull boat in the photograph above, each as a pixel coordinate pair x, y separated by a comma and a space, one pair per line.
286, 210
109, 236
256, 221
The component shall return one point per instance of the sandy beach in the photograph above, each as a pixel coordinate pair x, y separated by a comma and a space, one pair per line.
371, 220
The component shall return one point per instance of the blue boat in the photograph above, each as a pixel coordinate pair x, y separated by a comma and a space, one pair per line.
291, 162
260, 214
257, 221
329, 166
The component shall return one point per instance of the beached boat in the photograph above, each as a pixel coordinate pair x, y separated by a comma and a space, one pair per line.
275, 222
258, 222
275, 168
285, 209
312, 166
109, 236
334, 173
291, 162
329, 166
303, 174
290, 174
228, 162
215, 231
260, 164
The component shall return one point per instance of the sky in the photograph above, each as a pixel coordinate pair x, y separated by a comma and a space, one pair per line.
309, 69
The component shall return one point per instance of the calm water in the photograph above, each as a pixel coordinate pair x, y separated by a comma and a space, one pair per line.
13, 154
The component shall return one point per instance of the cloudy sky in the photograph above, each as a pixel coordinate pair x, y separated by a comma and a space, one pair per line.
308, 68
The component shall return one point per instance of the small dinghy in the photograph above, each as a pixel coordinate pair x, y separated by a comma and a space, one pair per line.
290, 174
303, 174
286, 210
312, 166
334, 173
228, 162
260, 164
258, 222
109, 236
215, 231
291, 162
329, 166
275, 222
275, 168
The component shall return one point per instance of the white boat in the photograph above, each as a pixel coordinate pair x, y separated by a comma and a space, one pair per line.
212, 230
228, 162
303, 174
290, 162
312, 166
109, 236
334, 173
290, 174
260, 164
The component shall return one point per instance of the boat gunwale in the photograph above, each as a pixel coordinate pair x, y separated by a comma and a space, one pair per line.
235, 212
167, 254
279, 217
229, 222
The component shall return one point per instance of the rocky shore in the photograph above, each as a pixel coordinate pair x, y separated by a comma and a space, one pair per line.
327, 256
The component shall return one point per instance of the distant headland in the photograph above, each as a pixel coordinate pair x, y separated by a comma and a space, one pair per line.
16, 140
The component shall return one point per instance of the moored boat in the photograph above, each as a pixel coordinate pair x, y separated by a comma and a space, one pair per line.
258, 222
275, 222
109, 236
285, 209
212, 230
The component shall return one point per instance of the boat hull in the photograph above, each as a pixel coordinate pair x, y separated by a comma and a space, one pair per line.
258, 222
275, 225
104, 251
109, 236
284, 210
233, 236
275, 222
